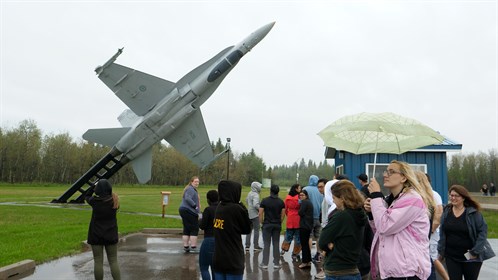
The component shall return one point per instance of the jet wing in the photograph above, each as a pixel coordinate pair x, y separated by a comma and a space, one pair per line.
192, 140
138, 90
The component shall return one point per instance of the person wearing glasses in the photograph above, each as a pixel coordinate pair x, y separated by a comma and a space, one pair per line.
463, 236
400, 222
305, 227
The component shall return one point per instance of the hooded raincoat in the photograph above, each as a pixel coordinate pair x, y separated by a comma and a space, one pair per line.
231, 220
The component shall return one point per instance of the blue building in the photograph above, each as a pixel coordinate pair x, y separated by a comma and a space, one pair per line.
429, 159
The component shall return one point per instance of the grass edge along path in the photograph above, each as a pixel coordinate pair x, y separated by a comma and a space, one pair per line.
43, 234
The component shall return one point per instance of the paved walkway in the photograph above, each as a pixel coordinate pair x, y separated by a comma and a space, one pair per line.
160, 256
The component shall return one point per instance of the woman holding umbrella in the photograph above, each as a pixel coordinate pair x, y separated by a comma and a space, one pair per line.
400, 247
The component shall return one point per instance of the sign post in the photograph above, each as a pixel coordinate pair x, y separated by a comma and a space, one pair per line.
165, 200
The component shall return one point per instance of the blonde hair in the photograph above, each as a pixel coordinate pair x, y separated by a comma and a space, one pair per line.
115, 201
412, 183
189, 183
427, 188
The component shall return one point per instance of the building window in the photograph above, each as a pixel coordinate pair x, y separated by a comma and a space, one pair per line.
339, 169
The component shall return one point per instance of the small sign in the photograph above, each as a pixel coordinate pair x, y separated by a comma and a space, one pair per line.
165, 200
165, 197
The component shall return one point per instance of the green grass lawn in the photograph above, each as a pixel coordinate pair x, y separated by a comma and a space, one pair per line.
34, 229
37, 230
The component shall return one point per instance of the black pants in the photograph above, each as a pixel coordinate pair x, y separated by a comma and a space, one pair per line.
304, 235
469, 270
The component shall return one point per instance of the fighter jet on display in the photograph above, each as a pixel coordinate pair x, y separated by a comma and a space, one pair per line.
159, 109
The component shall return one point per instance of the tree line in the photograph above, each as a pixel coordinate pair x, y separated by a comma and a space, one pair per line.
26, 156
473, 170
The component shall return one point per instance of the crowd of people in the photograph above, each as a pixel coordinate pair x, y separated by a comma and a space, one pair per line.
359, 233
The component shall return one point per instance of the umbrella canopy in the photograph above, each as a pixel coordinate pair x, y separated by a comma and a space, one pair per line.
367, 133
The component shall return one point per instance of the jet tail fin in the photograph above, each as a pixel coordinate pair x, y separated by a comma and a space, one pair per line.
142, 166
105, 136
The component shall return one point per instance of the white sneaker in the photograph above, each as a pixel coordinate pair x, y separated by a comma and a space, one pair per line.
320, 275
262, 266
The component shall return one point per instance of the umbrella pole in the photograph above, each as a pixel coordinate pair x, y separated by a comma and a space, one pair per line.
375, 163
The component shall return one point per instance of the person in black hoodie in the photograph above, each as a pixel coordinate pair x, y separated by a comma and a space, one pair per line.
207, 247
231, 220
103, 229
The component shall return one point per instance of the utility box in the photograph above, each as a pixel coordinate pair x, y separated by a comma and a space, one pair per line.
165, 200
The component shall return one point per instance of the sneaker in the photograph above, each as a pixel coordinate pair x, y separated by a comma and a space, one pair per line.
258, 248
276, 266
194, 250
248, 249
186, 249
320, 275
262, 266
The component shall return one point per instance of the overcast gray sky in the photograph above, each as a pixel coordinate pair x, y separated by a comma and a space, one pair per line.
434, 61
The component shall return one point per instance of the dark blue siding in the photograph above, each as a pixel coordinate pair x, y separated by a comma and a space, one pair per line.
434, 160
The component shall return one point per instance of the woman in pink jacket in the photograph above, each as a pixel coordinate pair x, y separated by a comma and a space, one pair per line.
400, 248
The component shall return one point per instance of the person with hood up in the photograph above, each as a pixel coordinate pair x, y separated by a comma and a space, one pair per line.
342, 238
207, 246
252, 202
316, 199
103, 228
231, 220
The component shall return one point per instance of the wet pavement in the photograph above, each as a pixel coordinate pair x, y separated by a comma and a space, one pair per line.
161, 256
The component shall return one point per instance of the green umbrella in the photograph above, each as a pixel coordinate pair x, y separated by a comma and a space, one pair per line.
372, 133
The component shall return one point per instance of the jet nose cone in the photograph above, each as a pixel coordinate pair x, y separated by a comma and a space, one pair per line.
256, 37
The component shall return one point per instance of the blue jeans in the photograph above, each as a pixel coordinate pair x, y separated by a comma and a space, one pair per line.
292, 233
345, 277
206, 258
224, 276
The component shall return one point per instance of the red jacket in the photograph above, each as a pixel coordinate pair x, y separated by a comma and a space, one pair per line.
291, 210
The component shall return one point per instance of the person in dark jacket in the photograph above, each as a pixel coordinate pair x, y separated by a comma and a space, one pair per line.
463, 236
231, 220
103, 228
305, 227
207, 246
342, 237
